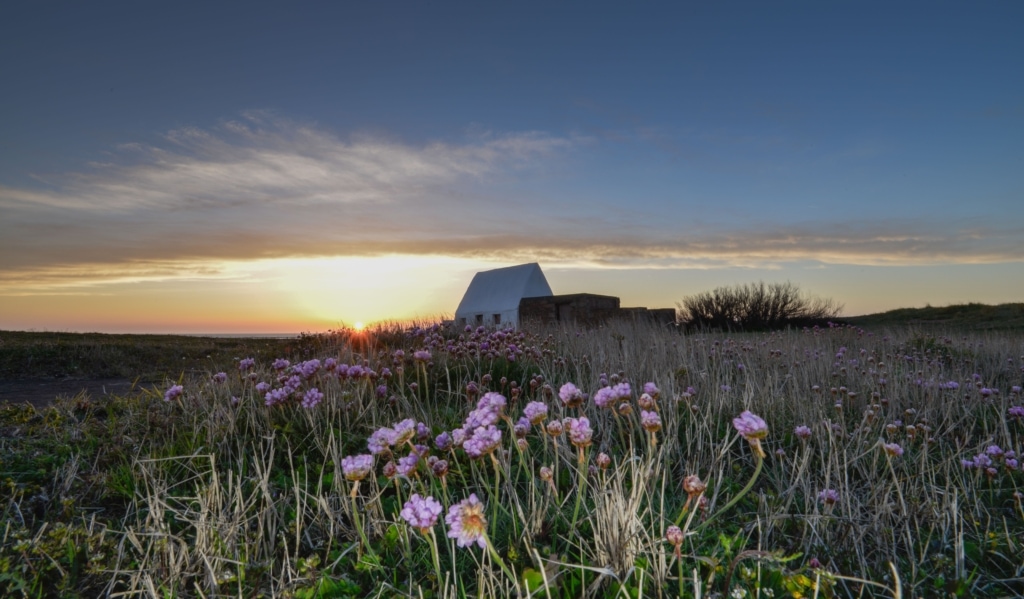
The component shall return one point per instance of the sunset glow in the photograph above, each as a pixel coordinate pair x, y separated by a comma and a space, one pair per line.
634, 156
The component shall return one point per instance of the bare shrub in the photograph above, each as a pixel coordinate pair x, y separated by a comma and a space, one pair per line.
755, 307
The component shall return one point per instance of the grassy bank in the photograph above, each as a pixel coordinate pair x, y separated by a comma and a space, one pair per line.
151, 358
956, 317
890, 465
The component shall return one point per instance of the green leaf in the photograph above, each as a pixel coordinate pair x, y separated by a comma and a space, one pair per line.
532, 579
368, 563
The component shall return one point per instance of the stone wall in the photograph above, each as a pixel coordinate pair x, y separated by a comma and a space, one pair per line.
584, 308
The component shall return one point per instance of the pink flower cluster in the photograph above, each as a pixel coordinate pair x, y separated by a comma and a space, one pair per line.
311, 398
570, 395
466, 522
989, 460
174, 392
485, 440
829, 496
579, 431
535, 412
384, 438
488, 410
356, 467
421, 512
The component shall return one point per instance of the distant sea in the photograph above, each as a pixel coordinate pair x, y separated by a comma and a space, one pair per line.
243, 335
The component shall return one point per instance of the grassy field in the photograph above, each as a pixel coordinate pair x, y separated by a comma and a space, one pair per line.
150, 358
1001, 317
404, 463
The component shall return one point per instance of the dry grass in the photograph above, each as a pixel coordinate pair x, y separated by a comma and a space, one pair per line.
204, 496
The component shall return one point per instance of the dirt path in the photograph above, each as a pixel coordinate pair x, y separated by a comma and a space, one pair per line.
41, 392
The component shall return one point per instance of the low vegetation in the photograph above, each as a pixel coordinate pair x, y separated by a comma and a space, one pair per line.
1001, 317
622, 461
755, 307
150, 358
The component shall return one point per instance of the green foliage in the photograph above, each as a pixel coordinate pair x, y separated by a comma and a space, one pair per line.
205, 496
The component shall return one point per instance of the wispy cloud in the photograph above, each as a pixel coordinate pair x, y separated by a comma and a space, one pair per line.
263, 187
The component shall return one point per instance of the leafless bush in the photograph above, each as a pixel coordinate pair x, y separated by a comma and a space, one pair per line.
756, 307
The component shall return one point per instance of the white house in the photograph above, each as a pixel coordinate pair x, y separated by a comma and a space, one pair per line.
493, 296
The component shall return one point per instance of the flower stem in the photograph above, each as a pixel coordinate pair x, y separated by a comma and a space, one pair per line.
432, 541
581, 484
504, 568
732, 502
359, 527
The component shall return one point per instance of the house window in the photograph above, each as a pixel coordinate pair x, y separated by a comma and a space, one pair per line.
479, 318
497, 319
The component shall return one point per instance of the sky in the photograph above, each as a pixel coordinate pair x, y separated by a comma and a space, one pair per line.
249, 167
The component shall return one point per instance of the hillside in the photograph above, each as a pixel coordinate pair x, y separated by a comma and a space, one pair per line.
960, 316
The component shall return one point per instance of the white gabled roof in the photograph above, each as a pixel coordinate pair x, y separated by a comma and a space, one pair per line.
502, 288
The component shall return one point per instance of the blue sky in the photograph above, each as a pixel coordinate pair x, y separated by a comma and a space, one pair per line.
200, 151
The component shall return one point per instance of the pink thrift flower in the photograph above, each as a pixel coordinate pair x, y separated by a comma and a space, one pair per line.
651, 421
403, 431
570, 395
220, 377
481, 417
603, 397
535, 412
753, 429
407, 466
829, 496
750, 426
246, 363
492, 401
893, 449
802, 432
312, 398
380, 440
579, 431
443, 442
674, 535
421, 512
466, 522
308, 368
356, 467
994, 451
484, 441
174, 392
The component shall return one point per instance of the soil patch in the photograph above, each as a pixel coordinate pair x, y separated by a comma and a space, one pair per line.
42, 392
